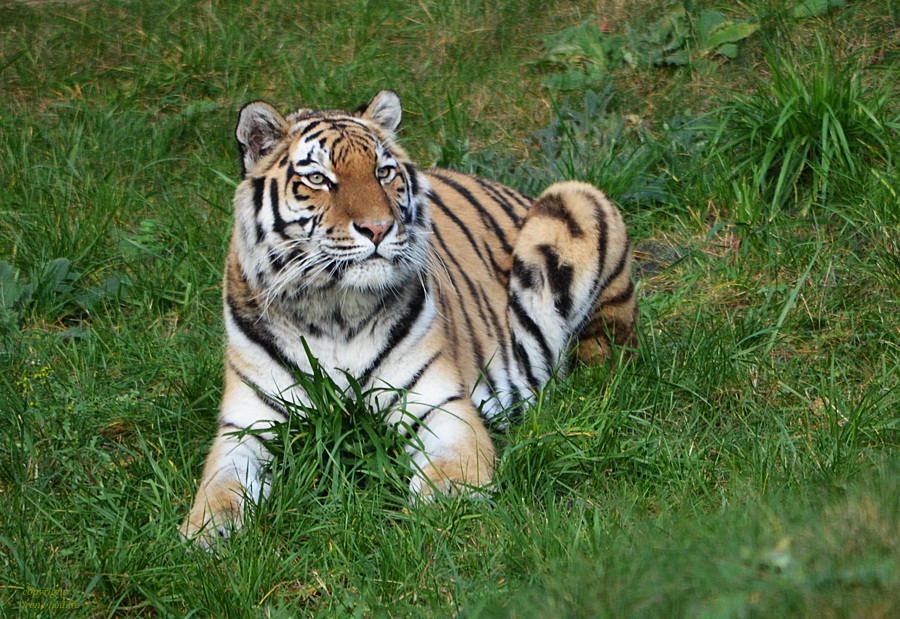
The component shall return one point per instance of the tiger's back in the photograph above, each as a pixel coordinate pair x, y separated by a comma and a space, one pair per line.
476, 224
459, 291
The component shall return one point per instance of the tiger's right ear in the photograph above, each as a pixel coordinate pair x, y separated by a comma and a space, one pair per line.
384, 109
259, 129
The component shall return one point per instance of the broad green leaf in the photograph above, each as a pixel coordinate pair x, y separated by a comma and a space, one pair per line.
729, 50
111, 288
709, 21
10, 289
812, 8
576, 45
679, 59
60, 275
577, 78
669, 31
732, 33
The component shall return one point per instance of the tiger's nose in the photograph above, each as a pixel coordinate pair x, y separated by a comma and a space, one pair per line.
375, 231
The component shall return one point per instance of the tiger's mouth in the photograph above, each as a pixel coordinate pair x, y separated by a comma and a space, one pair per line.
358, 268
372, 273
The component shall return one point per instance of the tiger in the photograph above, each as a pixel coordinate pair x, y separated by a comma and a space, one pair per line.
465, 294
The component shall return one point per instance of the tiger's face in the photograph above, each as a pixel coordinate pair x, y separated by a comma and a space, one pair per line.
329, 200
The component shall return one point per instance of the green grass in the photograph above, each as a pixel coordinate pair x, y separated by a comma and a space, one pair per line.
744, 464
813, 125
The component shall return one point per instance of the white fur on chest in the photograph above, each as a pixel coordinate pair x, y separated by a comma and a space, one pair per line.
338, 351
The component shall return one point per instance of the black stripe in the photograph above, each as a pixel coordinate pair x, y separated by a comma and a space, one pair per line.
288, 175
257, 333
408, 386
412, 174
516, 306
279, 224
522, 356
620, 266
602, 249
418, 423
521, 199
486, 217
339, 155
600, 283
476, 345
421, 371
554, 207
502, 201
560, 279
399, 330
501, 273
500, 334
621, 298
312, 125
309, 137
437, 202
527, 275
601, 224
259, 185
300, 221
265, 399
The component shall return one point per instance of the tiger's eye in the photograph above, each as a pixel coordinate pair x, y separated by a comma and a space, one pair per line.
386, 173
316, 178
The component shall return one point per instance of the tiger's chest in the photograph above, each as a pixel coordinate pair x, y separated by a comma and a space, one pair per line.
379, 345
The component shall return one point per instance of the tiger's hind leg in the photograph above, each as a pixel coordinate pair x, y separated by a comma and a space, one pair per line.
611, 323
572, 256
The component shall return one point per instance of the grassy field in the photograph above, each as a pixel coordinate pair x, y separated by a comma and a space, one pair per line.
744, 464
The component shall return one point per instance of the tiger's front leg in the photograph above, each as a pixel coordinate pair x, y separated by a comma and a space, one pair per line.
234, 469
456, 455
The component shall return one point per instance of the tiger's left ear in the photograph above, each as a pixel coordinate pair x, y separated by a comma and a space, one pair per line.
384, 109
259, 130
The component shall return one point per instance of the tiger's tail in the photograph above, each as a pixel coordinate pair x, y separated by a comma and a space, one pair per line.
571, 280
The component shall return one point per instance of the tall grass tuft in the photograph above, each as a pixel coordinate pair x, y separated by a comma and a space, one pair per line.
813, 124
339, 438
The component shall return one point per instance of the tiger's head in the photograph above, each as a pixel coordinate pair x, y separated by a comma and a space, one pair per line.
328, 200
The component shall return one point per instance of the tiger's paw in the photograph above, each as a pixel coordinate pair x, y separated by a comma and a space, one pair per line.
216, 514
452, 477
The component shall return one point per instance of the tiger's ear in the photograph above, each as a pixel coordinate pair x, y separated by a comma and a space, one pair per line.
259, 129
384, 109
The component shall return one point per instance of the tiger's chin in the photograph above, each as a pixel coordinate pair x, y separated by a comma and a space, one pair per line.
374, 275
